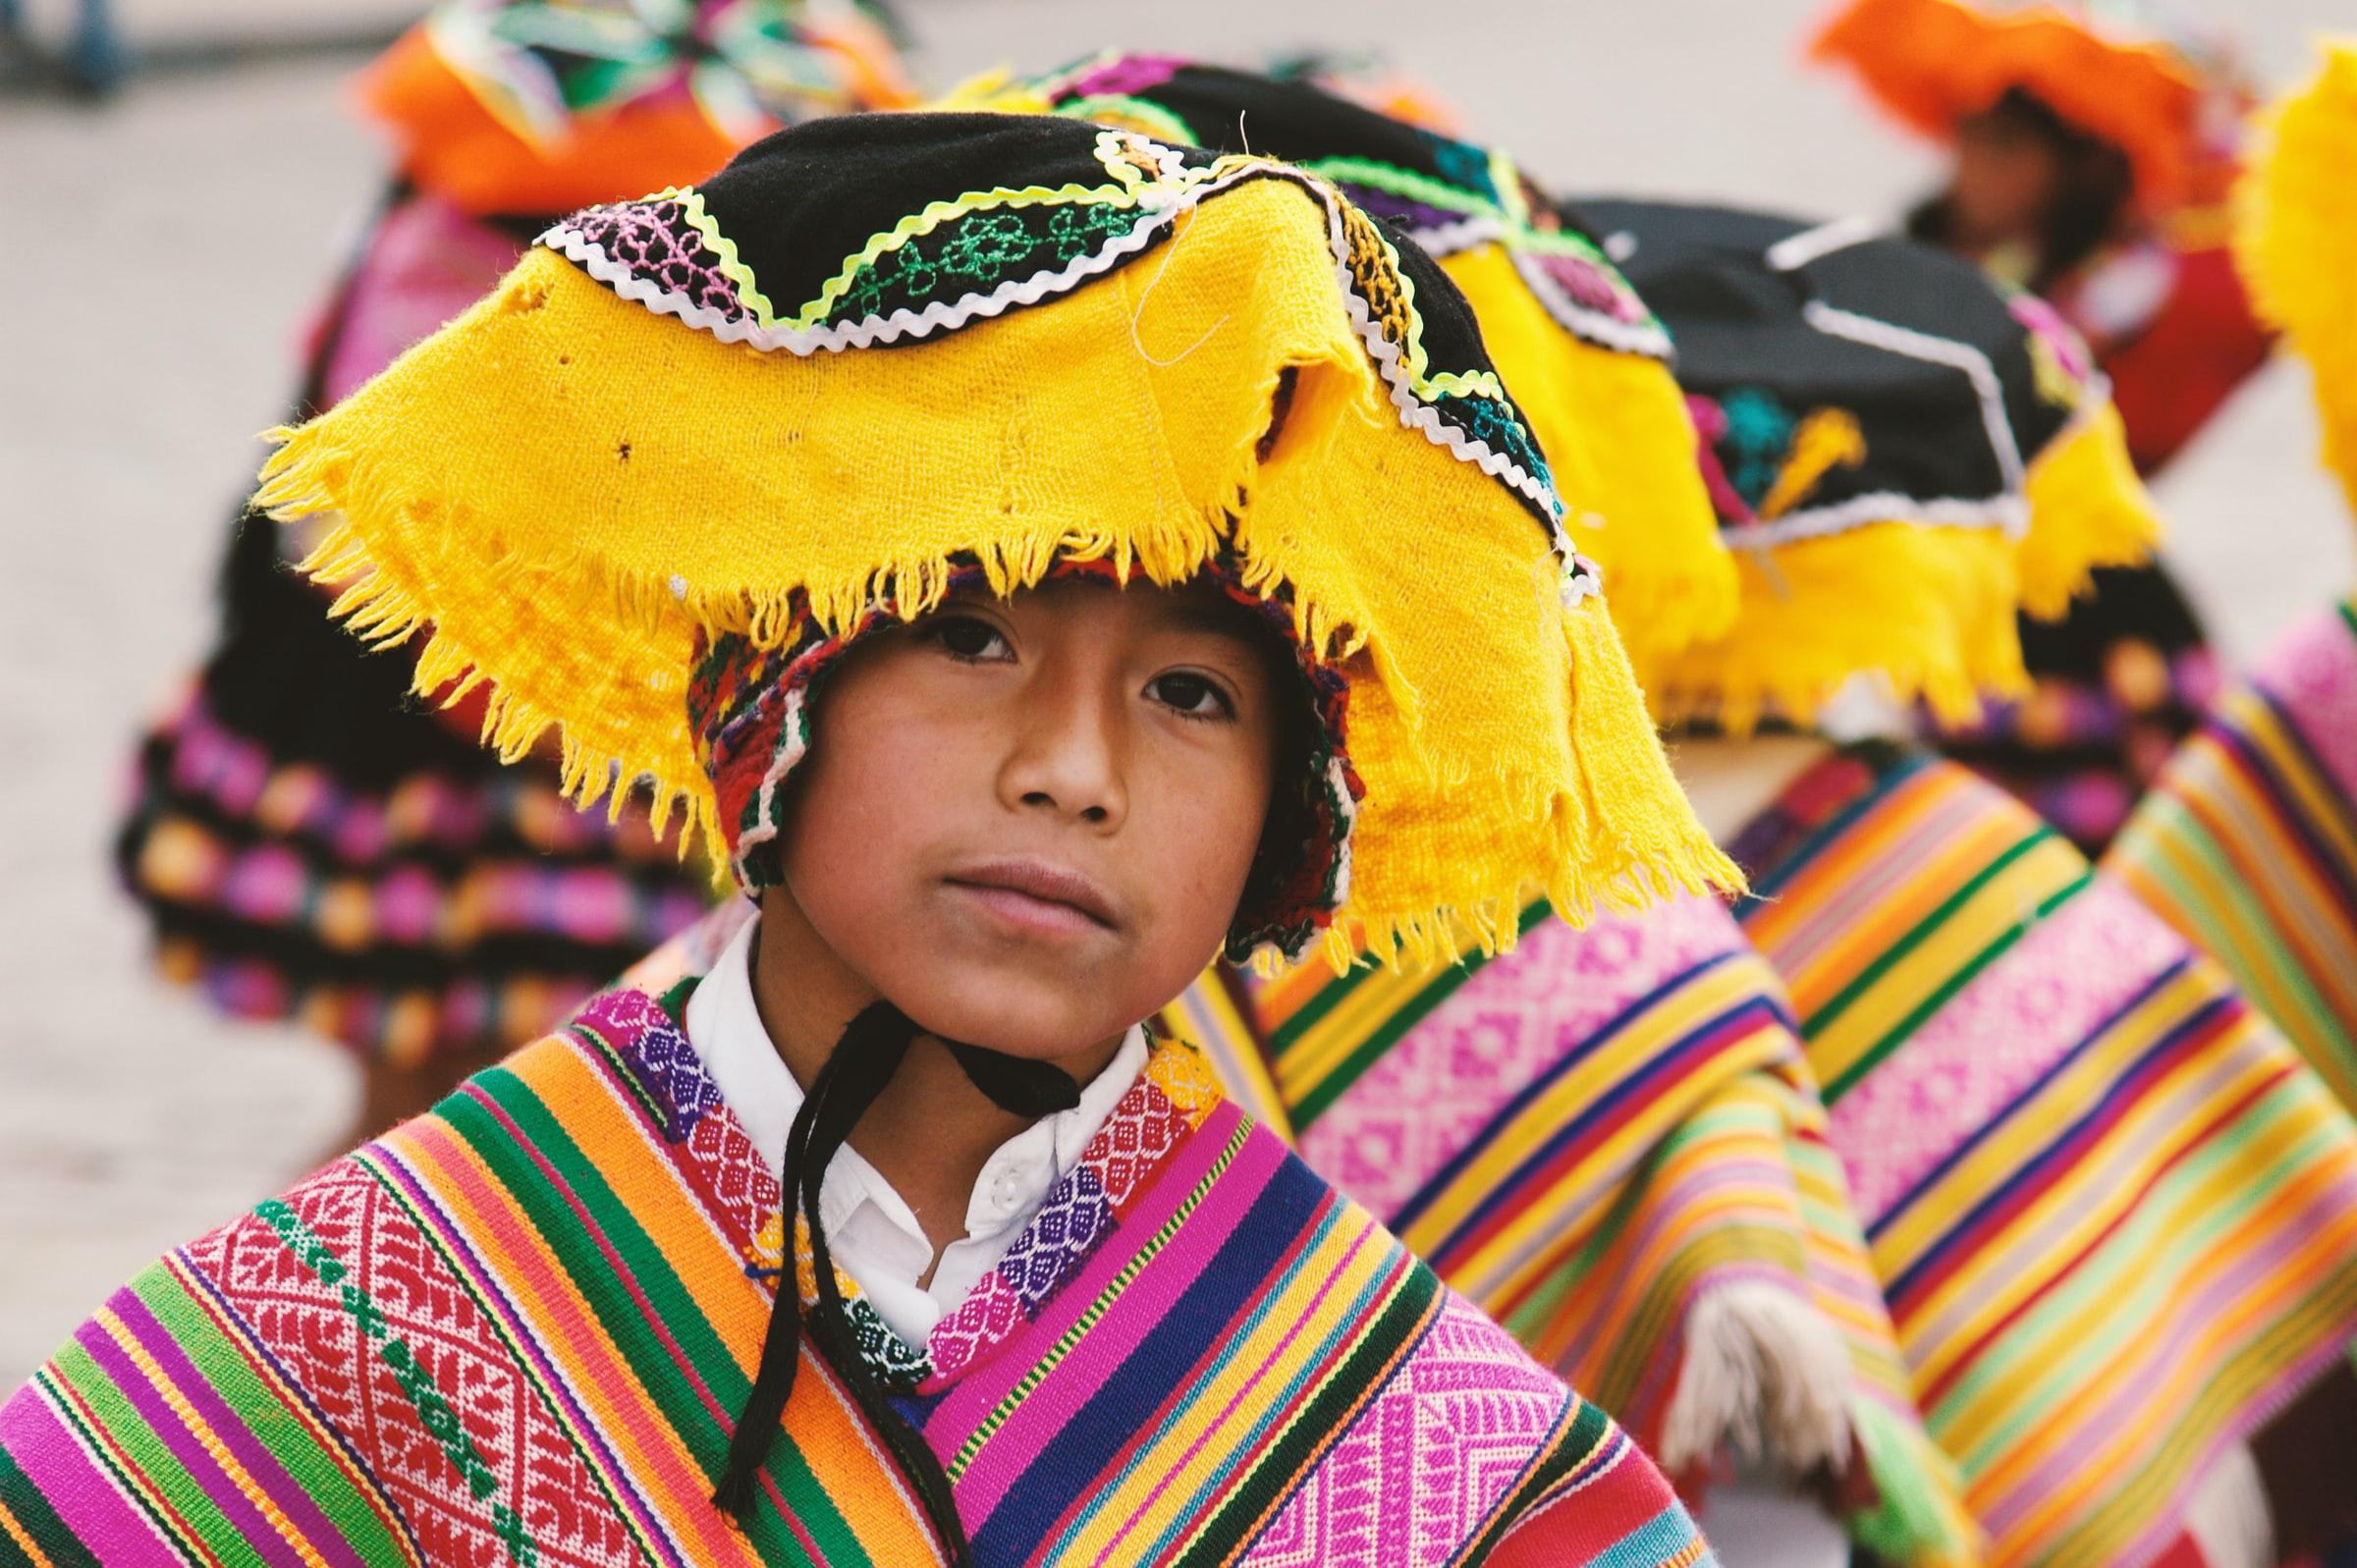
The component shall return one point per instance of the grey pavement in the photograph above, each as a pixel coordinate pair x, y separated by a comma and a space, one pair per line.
163, 252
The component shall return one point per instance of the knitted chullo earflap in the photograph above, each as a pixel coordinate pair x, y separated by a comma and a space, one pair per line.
2296, 240
695, 444
1584, 357
541, 106
1902, 453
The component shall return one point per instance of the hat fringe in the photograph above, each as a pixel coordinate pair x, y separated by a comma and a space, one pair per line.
1637, 500
2088, 509
1621, 445
1928, 610
1619, 837
304, 477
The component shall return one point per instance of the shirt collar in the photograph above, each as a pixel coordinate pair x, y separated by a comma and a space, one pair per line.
725, 1028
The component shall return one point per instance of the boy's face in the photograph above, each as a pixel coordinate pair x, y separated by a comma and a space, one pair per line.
2005, 178
1027, 822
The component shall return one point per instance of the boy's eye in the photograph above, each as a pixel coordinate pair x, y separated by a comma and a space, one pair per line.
966, 638
1195, 696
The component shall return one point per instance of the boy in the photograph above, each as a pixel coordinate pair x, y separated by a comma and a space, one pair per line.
834, 556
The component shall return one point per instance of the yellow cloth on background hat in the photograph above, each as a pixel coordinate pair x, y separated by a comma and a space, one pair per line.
1902, 455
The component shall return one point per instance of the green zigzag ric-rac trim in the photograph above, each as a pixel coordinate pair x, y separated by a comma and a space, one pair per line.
731, 266
1143, 110
1513, 217
1127, 188
1505, 177
1430, 386
916, 224
1072, 1337
1405, 183
980, 252
1127, 191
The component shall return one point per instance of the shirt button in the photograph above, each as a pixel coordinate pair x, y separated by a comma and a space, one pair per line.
1002, 1193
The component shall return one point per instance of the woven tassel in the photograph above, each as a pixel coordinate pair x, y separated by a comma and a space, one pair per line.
1764, 1374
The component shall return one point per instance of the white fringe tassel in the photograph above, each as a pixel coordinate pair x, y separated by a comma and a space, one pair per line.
2228, 1515
1764, 1374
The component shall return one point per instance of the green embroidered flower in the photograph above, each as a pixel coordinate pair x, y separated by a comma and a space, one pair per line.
975, 253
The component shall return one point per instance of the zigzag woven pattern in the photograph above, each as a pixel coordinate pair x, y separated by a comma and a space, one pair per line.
2248, 842
2115, 1218
515, 1331
1587, 1136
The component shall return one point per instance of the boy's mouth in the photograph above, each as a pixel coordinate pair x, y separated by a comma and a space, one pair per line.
1038, 895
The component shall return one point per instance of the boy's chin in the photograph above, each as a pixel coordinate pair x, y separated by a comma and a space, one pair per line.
1016, 1015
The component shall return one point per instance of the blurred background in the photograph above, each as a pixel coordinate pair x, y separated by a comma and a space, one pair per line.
168, 241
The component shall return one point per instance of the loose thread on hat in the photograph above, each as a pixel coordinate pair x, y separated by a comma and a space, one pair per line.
1138, 316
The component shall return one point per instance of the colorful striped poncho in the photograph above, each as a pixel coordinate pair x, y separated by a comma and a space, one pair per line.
1608, 1140
2115, 1216
516, 1332
2248, 842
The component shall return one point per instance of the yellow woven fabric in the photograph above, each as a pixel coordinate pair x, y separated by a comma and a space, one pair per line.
1929, 609
2296, 239
561, 488
1616, 430
2088, 509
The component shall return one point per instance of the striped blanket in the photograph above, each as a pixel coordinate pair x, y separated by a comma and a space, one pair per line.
516, 1332
1608, 1140
2248, 842
2115, 1216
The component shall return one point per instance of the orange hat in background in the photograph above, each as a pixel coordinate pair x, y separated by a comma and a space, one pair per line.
542, 106
2170, 100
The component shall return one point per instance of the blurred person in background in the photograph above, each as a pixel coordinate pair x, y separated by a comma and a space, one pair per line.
2093, 145
310, 842
2113, 1213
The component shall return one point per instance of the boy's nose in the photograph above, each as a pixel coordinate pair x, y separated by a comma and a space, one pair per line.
1067, 754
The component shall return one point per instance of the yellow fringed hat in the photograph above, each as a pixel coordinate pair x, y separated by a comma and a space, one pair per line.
1900, 453
1584, 357
2296, 240
695, 444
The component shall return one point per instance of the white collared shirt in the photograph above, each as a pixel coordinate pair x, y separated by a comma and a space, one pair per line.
870, 1228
